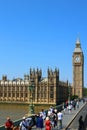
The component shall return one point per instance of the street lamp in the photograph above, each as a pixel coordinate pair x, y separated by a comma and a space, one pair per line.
31, 105
69, 91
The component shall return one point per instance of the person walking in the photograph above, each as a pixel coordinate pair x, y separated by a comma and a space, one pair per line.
69, 108
39, 122
23, 125
43, 114
64, 107
77, 104
9, 124
52, 119
47, 124
60, 117
81, 123
29, 123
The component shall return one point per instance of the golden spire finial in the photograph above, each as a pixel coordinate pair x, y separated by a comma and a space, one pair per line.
78, 39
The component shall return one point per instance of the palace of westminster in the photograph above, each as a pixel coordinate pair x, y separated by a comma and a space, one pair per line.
49, 90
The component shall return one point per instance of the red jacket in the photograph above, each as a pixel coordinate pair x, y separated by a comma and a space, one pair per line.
9, 124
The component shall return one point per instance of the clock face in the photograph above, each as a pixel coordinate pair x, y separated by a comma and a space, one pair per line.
77, 59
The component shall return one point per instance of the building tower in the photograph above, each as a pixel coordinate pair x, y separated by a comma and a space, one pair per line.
78, 70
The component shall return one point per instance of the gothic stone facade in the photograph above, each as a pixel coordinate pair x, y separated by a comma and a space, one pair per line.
47, 90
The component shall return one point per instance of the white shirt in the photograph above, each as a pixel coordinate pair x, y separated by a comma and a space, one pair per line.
29, 121
43, 114
60, 115
49, 113
23, 124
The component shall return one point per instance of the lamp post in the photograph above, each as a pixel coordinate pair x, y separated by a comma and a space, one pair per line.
31, 105
78, 93
69, 91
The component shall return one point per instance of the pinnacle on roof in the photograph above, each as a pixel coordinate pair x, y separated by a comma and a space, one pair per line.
78, 43
78, 46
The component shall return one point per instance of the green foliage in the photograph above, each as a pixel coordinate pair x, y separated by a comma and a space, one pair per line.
74, 97
85, 91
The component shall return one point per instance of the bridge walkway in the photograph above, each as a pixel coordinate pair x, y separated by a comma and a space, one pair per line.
68, 117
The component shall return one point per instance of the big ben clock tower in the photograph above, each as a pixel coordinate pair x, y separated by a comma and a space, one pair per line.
78, 70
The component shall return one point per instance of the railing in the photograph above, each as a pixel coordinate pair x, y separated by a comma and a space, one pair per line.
17, 122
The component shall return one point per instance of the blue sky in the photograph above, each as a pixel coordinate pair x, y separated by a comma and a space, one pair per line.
41, 33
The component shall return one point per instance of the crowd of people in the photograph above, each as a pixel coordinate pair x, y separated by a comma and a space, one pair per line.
48, 120
42, 119
70, 105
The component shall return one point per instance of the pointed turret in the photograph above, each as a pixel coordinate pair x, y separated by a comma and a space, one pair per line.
78, 46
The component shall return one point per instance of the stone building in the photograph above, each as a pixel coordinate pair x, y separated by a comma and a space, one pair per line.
78, 70
49, 90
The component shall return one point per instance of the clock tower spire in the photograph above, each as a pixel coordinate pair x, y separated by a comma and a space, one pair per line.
78, 46
78, 70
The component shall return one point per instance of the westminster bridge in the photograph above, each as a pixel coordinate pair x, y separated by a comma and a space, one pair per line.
70, 120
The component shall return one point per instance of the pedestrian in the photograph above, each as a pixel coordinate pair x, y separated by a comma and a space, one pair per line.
39, 122
69, 108
67, 103
23, 125
9, 124
81, 123
36, 120
43, 114
29, 123
47, 124
52, 119
60, 117
49, 112
64, 107
77, 104
55, 121
74, 104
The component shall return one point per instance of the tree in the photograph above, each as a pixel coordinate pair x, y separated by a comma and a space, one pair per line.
74, 97
85, 92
